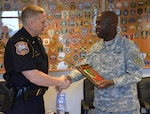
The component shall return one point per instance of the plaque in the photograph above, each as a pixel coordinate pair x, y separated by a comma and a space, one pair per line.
90, 73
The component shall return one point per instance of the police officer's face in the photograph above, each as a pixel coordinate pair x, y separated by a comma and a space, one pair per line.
39, 24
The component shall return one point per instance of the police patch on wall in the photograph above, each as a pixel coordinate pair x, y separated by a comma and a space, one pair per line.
22, 48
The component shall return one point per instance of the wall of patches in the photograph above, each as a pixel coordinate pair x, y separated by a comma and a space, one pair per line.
71, 31
71, 27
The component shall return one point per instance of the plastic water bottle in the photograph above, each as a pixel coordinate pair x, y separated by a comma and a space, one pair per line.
60, 103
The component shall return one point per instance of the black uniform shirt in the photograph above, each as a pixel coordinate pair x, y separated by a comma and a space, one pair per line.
24, 52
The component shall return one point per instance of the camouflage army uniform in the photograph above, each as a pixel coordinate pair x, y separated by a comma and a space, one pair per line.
118, 60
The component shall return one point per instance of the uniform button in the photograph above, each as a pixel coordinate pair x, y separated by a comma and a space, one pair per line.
33, 42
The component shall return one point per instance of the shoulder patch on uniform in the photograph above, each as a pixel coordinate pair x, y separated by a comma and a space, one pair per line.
137, 59
22, 48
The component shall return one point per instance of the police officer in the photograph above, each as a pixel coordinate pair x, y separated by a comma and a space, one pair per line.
26, 63
118, 61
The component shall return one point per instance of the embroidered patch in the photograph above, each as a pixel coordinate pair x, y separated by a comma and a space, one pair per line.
22, 48
138, 61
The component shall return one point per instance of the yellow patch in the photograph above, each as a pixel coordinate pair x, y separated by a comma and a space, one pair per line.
22, 48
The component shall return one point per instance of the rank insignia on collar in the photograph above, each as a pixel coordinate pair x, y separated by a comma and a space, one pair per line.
22, 48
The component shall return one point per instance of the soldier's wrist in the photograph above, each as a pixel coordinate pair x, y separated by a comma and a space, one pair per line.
111, 82
68, 78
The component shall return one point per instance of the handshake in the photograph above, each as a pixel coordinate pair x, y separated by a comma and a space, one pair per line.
64, 83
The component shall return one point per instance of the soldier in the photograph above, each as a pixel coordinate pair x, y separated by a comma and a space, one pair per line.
118, 61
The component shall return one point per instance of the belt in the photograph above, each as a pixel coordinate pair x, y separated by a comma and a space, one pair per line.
27, 91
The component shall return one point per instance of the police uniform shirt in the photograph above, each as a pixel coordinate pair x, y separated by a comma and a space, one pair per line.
24, 52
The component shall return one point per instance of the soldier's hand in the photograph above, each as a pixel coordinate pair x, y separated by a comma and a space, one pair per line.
105, 83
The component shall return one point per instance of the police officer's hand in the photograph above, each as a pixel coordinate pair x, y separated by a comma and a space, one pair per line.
105, 83
64, 83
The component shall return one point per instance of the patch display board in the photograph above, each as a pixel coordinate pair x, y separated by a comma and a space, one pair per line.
70, 32
71, 27
134, 22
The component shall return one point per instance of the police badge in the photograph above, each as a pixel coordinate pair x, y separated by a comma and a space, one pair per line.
22, 48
